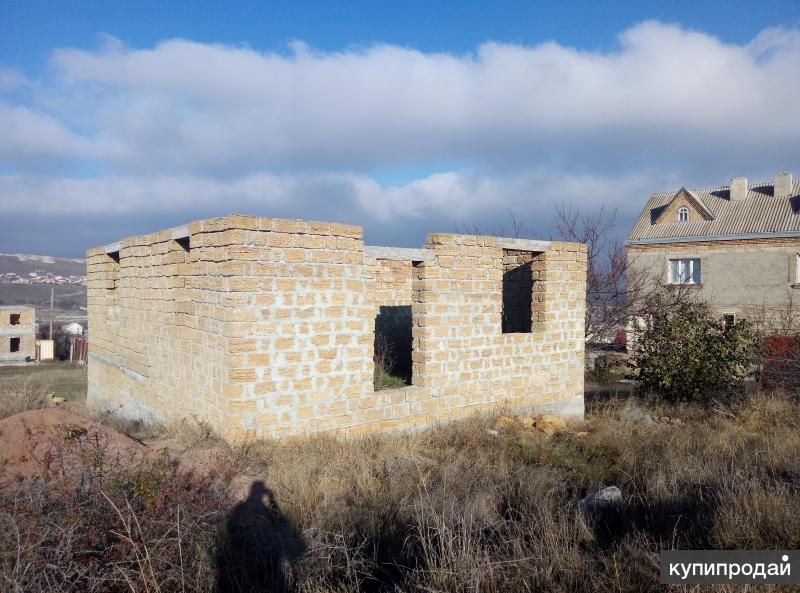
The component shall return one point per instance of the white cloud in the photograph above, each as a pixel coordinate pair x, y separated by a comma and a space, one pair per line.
191, 107
123, 196
453, 196
185, 126
28, 135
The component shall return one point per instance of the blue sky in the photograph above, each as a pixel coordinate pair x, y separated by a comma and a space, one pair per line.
406, 118
33, 28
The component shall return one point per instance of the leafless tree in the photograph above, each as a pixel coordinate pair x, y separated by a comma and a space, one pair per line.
617, 290
515, 229
780, 320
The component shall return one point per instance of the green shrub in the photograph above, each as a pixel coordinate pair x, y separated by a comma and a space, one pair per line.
688, 353
608, 369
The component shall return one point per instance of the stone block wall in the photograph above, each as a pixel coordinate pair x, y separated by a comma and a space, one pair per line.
260, 323
460, 351
266, 327
753, 279
393, 319
17, 334
393, 282
156, 317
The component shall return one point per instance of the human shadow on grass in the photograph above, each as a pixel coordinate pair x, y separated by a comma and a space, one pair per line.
685, 519
259, 548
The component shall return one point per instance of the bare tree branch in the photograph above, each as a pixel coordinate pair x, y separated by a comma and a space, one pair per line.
515, 229
617, 290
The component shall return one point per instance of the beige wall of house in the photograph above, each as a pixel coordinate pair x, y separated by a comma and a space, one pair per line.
266, 327
754, 279
17, 334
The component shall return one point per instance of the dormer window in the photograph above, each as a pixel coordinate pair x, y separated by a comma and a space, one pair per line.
683, 207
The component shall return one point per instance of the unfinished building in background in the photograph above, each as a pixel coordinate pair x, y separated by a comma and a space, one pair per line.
269, 327
17, 335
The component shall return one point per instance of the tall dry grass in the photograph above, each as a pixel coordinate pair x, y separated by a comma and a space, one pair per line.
460, 507
19, 393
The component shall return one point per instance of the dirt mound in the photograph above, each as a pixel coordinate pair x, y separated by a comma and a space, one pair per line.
55, 443
210, 460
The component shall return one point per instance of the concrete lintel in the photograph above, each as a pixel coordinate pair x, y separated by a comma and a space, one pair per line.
22, 331
522, 244
398, 253
113, 247
180, 232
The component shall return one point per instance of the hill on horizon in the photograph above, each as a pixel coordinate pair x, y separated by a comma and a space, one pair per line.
69, 300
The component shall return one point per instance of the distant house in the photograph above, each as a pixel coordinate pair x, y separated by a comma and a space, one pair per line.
737, 246
73, 329
17, 335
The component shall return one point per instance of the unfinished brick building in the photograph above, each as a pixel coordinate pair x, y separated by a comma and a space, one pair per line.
267, 327
17, 334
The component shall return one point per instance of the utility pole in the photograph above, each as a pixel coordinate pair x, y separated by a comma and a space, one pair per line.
50, 335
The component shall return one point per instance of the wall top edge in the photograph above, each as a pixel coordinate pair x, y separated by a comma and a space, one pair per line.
180, 232
523, 244
113, 247
398, 253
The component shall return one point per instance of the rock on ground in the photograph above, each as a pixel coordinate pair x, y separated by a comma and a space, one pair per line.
505, 423
636, 414
524, 421
549, 424
603, 500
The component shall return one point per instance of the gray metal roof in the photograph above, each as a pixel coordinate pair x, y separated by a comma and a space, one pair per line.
759, 214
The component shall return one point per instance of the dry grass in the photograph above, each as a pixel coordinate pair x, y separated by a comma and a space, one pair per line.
456, 508
110, 528
27, 387
24, 392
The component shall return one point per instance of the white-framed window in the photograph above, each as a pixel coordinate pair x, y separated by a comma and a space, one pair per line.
683, 214
729, 319
797, 269
684, 271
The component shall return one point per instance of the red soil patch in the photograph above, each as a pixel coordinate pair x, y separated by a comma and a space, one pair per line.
208, 461
55, 443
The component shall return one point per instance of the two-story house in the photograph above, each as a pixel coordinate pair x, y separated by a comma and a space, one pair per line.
737, 246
